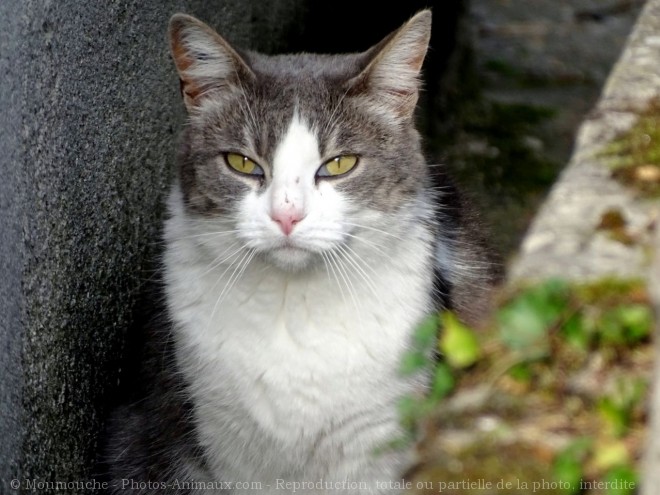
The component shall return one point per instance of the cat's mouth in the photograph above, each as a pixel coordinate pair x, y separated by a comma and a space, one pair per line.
291, 255
291, 249
293, 245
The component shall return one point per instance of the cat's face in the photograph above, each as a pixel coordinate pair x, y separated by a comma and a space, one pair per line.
299, 157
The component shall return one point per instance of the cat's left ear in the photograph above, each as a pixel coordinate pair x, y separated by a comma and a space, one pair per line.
391, 76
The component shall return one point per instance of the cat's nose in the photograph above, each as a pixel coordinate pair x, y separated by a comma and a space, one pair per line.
287, 219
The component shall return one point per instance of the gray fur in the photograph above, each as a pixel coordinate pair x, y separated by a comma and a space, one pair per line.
247, 111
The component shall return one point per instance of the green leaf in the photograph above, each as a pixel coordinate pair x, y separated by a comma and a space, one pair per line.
443, 382
521, 372
458, 343
617, 408
610, 454
525, 321
567, 466
409, 411
522, 326
637, 320
575, 332
427, 332
626, 324
621, 480
413, 362
615, 415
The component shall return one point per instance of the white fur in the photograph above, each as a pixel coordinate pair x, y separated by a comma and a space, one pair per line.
295, 164
293, 361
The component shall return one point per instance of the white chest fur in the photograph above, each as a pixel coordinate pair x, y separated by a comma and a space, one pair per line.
294, 376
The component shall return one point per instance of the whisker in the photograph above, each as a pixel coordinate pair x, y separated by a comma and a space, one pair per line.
220, 233
214, 220
367, 227
358, 263
244, 266
326, 259
368, 242
346, 278
237, 265
362, 274
215, 263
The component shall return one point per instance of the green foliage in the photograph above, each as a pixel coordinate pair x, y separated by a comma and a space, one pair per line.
413, 362
521, 372
567, 466
443, 382
622, 480
420, 359
585, 316
409, 411
543, 351
626, 324
635, 155
460, 349
574, 332
458, 343
424, 339
524, 321
427, 333
617, 408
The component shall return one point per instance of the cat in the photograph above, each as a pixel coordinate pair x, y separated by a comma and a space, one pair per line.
307, 239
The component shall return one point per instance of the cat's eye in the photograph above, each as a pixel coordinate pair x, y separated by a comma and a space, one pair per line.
243, 164
339, 165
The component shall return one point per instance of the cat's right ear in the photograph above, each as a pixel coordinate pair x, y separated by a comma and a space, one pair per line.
206, 63
390, 81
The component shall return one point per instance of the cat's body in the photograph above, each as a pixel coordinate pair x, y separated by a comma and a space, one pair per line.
295, 276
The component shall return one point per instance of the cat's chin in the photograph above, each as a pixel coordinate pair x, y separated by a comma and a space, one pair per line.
291, 258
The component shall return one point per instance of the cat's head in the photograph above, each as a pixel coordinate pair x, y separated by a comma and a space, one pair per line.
297, 155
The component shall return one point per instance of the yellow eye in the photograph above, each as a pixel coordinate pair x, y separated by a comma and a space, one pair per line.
338, 166
243, 164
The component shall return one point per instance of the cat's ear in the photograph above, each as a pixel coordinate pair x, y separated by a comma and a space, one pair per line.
205, 61
391, 75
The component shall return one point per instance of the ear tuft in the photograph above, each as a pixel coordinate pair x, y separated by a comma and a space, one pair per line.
204, 60
392, 74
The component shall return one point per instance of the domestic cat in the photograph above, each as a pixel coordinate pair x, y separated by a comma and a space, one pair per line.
307, 239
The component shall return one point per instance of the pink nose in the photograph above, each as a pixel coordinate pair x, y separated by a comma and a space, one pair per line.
287, 219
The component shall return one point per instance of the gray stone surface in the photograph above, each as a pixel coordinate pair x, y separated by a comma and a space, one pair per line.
90, 106
11, 264
651, 474
564, 240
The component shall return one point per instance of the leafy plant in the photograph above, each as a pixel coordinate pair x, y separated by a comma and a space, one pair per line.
458, 343
625, 324
524, 321
567, 466
547, 351
616, 409
622, 480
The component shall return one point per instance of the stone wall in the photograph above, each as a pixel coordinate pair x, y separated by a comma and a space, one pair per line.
568, 238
